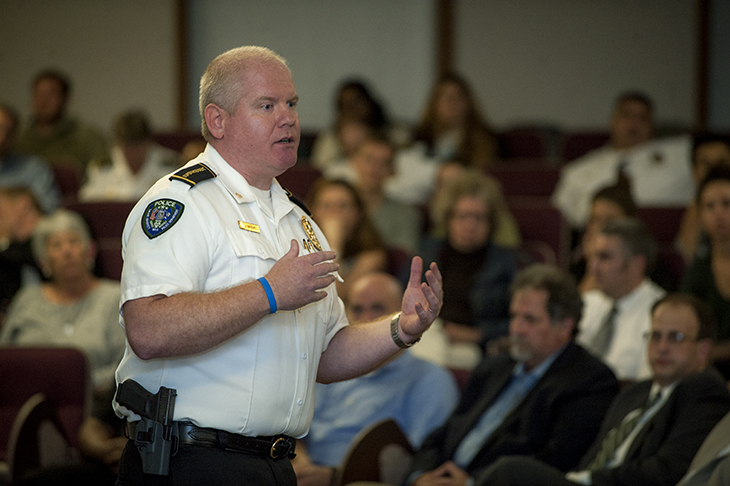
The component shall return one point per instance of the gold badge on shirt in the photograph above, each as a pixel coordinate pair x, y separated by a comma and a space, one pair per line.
311, 243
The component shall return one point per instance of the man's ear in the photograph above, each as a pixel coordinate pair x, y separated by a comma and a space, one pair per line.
704, 347
215, 120
567, 326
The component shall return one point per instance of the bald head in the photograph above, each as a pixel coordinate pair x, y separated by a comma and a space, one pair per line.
372, 296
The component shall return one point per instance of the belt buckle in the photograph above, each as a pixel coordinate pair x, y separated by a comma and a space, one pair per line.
278, 443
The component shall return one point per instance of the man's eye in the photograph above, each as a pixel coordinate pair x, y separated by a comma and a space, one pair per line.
268, 106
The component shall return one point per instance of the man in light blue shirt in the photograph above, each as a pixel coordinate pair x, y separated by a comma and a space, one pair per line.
417, 394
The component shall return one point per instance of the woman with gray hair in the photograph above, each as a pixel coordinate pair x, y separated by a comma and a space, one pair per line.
73, 308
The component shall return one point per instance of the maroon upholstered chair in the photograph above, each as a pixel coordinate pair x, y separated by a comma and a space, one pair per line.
106, 221
60, 374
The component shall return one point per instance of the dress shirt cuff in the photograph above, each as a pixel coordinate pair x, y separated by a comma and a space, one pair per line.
580, 477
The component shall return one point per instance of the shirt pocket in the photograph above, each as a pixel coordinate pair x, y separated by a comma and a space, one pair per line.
251, 245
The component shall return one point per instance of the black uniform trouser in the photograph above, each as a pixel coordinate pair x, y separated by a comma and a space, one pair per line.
201, 466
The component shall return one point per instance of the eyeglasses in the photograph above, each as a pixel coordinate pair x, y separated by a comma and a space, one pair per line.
673, 337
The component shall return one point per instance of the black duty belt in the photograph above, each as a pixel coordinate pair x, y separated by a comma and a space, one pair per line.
276, 447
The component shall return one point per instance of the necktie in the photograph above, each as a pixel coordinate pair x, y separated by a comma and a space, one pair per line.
622, 176
602, 339
617, 435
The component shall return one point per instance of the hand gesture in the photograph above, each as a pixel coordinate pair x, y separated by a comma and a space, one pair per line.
421, 301
299, 280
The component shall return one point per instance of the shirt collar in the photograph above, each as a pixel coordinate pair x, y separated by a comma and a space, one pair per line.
538, 371
239, 188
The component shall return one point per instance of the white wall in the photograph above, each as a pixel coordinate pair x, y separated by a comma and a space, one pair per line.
564, 61
561, 61
389, 44
119, 54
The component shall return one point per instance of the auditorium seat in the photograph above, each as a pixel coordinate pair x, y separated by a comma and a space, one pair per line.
526, 178
576, 144
663, 222
61, 374
540, 221
106, 221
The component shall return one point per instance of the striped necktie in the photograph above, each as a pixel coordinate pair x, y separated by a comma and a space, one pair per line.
601, 341
617, 435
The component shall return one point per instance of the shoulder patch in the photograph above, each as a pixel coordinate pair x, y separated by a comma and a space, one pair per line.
193, 174
296, 201
160, 216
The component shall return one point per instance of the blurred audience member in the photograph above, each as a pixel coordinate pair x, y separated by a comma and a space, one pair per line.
617, 312
477, 272
20, 213
709, 275
398, 223
505, 232
709, 151
452, 127
654, 427
544, 399
417, 394
52, 134
340, 213
358, 114
658, 171
136, 163
73, 308
24, 170
609, 203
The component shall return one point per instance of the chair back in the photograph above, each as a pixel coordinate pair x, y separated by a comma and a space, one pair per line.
380, 453
37, 439
60, 374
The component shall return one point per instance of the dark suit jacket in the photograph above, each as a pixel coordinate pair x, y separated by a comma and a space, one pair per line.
661, 453
555, 422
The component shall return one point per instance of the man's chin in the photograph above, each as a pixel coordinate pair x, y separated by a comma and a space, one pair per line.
519, 354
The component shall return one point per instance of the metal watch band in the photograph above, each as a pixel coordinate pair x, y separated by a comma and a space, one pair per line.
396, 337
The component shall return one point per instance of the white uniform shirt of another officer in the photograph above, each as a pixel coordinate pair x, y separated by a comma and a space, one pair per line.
195, 317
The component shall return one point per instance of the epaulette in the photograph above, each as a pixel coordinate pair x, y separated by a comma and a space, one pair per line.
193, 174
296, 201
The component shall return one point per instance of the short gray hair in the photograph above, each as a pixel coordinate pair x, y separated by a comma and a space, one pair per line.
60, 220
636, 239
220, 84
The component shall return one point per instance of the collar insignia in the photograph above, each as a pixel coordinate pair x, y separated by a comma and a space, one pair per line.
310, 233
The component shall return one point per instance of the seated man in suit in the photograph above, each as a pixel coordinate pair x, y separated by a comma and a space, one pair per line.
654, 427
417, 394
545, 399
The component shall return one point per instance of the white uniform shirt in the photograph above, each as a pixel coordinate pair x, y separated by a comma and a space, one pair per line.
261, 382
627, 354
116, 182
660, 173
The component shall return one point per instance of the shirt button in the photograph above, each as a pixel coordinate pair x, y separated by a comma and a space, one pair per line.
260, 250
304, 355
300, 401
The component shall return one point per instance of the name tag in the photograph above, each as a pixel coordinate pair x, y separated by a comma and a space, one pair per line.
253, 228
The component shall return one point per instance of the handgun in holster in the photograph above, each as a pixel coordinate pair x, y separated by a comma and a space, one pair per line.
155, 436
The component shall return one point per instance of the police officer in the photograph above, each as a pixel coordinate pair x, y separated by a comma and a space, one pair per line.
228, 295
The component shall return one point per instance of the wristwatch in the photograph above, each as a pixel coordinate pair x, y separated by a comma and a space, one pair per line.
396, 336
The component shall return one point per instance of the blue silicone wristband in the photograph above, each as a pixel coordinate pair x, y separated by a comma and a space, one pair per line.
269, 294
